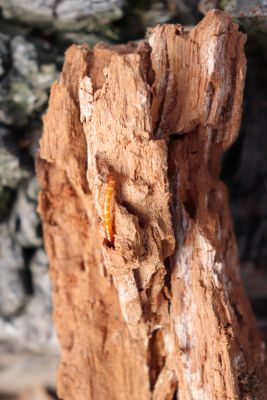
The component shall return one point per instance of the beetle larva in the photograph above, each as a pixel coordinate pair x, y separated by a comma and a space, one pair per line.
108, 211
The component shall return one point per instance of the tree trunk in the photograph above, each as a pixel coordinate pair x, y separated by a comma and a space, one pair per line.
160, 313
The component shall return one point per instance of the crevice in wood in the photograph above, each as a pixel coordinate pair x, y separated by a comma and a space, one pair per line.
176, 136
156, 357
138, 280
167, 289
189, 204
175, 394
132, 210
156, 129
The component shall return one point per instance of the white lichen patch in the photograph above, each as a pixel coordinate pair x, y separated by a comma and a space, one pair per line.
86, 97
129, 298
199, 254
195, 384
181, 330
169, 344
127, 288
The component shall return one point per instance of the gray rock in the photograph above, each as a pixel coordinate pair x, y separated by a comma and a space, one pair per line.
12, 296
11, 173
205, 5
3, 52
27, 337
64, 14
24, 66
252, 15
31, 11
24, 222
32, 330
21, 371
158, 13
10, 252
246, 8
5, 201
4, 132
71, 10
40, 278
35, 326
25, 85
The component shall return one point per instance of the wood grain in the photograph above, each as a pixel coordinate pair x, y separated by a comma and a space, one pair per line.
163, 314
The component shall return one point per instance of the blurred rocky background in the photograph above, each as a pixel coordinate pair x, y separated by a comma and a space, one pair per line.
33, 37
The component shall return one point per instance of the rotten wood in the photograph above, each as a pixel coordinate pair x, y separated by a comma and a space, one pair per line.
161, 313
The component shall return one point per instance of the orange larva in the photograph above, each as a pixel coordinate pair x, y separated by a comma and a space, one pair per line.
108, 211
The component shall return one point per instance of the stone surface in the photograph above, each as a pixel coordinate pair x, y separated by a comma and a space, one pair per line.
12, 296
21, 371
11, 174
24, 223
32, 327
65, 14
24, 88
28, 344
254, 9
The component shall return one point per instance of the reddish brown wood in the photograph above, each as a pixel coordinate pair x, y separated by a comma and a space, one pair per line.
162, 314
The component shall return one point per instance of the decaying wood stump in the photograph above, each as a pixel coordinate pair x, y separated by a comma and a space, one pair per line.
162, 313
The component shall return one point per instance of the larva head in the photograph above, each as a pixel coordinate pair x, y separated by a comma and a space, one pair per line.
111, 180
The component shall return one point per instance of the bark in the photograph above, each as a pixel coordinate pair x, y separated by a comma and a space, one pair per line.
162, 313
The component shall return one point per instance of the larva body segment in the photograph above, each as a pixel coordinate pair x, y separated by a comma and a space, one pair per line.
108, 211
